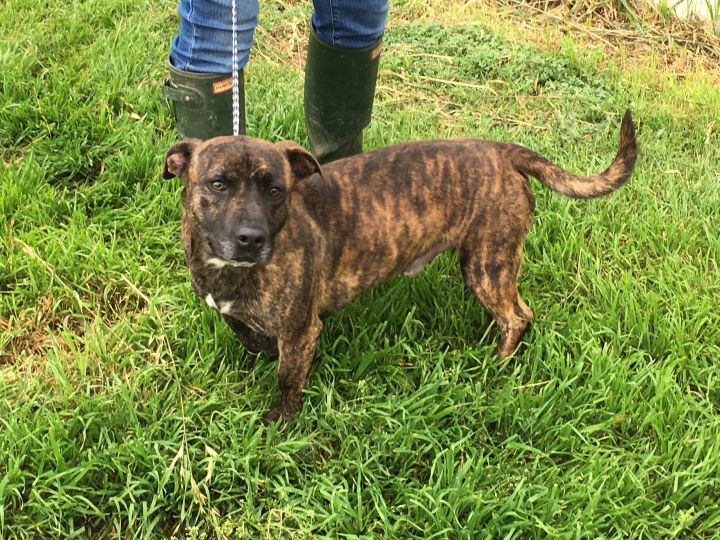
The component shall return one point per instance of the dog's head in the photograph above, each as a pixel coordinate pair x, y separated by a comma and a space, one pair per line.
237, 192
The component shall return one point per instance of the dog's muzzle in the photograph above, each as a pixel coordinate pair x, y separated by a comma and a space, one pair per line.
250, 240
252, 245
247, 247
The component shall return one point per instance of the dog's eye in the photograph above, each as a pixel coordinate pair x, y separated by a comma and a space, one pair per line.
217, 185
274, 192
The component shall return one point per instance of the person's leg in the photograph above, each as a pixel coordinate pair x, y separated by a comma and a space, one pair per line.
200, 65
349, 24
340, 74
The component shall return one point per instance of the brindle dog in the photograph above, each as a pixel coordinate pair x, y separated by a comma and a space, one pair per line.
274, 241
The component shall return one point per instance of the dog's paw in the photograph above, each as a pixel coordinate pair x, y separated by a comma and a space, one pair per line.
273, 415
281, 414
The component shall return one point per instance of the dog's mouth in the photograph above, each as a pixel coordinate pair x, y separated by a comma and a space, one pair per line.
228, 254
222, 263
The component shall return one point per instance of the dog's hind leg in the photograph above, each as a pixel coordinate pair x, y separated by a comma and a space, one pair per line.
253, 342
490, 262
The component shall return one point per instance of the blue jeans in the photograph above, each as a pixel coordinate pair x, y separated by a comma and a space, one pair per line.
204, 42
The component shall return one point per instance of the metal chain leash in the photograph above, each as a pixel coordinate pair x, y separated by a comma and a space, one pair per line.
235, 81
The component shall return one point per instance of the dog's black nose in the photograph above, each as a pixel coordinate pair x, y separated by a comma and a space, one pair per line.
250, 238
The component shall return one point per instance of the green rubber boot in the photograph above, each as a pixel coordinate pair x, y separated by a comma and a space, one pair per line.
202, 103
339, 93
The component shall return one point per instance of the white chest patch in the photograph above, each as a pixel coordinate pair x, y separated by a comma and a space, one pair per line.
224, 307
210, 301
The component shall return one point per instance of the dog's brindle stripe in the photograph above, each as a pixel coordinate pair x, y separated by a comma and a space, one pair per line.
338, 231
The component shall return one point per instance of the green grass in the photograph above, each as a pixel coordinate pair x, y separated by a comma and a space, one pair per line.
127, 408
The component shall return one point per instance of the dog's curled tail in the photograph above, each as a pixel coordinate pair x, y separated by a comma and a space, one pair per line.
583, 187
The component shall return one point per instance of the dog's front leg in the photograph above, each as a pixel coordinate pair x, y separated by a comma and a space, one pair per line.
297, 350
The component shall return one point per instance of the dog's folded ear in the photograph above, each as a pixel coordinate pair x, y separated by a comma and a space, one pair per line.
302, 163
177, 159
